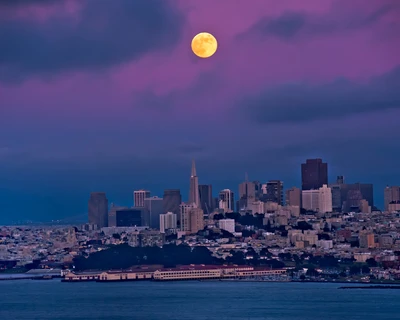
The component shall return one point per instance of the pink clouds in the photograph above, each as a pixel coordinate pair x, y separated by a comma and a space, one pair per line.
332, 39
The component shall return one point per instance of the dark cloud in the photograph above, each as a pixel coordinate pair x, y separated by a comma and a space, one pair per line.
294, 24
302, 102
208, 82
22, 3
107, 33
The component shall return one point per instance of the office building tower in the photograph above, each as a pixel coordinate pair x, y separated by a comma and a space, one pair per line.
112, 214
247, 193
274, 191
191, 218
171, 201
325, 199
366, 239
337, 202
206, 199
391, 195
98, 209
310, 199
352, 194
293, 197
194, 196
257, 185
139, 196
154, 207
227, 225
130, 217
168, 221
226, 200
314, 174
340, 180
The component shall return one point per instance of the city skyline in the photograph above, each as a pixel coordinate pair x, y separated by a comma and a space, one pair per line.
92, 110
378, 195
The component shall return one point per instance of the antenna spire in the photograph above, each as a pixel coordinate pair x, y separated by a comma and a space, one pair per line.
193, 174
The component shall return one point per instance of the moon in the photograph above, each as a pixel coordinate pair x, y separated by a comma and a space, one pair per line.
204, 45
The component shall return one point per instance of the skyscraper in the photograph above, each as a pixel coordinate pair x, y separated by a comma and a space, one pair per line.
154, 207
352, 193
293, 197
226, 200
194, 187
325, 199
314, 174
391, 194
191, 217
247, 193
206, 199
274, 191
130, 217
310, 199
168, 221
139, 196
171, 200
98, 209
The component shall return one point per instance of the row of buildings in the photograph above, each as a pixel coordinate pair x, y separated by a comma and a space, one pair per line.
191, 272
170, 213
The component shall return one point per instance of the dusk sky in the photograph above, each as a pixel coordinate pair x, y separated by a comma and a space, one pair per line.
106, 95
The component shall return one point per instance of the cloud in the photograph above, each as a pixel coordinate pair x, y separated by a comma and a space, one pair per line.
22, 3
202, 90
105, 34
340, 19
293, 103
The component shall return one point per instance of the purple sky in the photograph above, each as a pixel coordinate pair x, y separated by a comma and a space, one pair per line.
107, 96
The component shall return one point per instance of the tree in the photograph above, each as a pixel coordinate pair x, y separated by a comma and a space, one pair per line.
372, 262
219, 216
312, 272
324, 236
365, 269
303, 225
355, 269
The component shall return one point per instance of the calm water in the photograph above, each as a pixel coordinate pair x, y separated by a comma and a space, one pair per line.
51, 299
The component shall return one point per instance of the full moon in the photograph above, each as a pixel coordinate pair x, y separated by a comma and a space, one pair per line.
204, 45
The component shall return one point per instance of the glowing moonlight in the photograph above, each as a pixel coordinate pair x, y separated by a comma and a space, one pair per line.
204, 45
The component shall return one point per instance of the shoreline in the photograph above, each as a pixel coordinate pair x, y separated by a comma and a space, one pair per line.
361, 285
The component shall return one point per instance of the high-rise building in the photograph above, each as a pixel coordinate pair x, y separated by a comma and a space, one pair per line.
130, 217
226, 200
391, 194
227, 225
206, 199
336, 190
139, 196
191, 217
310, 199
325, 199
98, 209
293, 197
314, 174
112, 214
352, 194
171, 201
247, 193
154, 207
366, 239
168, 221
194, 196
274, 191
